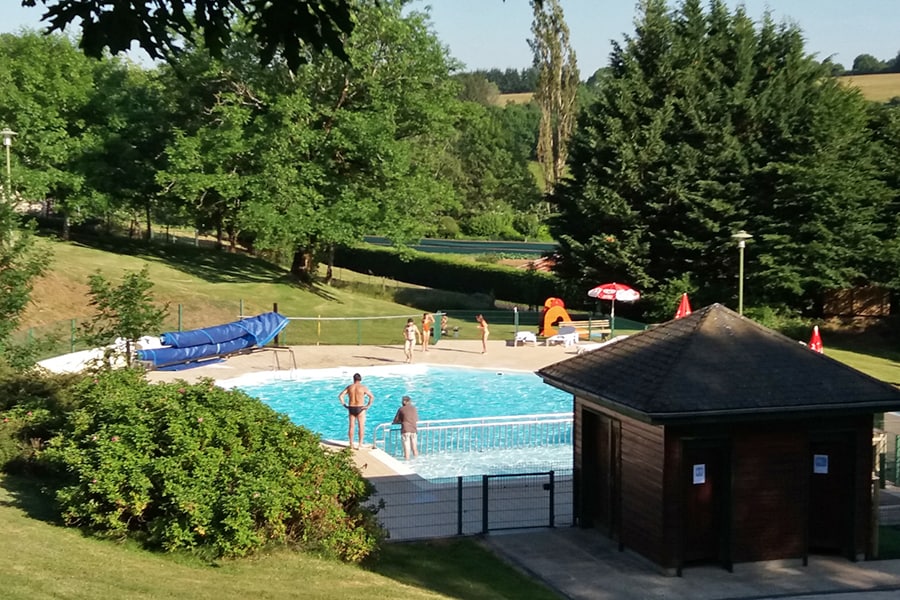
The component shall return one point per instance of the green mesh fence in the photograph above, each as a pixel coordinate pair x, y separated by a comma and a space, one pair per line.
63, 337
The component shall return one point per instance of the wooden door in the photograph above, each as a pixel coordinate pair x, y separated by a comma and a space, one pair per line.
706, 489
831, 485
601, 459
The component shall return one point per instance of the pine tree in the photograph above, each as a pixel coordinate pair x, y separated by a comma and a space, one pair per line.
707, 125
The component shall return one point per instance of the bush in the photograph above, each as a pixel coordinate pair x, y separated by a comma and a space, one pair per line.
32, 406
196, 467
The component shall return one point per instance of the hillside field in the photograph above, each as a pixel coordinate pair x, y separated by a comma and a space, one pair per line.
879, 87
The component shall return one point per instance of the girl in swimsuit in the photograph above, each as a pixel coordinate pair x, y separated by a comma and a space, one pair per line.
410, 335
483, 326
427, 322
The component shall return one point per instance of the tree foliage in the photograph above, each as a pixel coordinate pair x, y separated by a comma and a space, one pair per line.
709, 124
556, 89
126, 311
292, 28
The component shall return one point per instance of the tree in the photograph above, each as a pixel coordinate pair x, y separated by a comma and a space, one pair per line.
22, 261
126, 311
556, 89
866, 63
476, 88
705, 126
288, 27
347, 148
47, 86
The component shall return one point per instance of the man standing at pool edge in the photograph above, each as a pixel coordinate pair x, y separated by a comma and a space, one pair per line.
356, 407
408, 418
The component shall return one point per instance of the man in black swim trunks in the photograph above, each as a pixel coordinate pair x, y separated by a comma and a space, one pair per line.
356, 406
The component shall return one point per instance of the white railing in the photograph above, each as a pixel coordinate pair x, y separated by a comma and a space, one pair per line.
480, 434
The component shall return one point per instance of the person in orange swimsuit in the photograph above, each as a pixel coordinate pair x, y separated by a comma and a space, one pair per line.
483, 326
427, 324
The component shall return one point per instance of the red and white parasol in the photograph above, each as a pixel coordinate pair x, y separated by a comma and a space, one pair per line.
614, 292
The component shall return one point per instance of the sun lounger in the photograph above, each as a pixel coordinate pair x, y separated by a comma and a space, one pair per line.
525, 337
567, 336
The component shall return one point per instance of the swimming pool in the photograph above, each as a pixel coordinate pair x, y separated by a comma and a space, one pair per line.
310, 397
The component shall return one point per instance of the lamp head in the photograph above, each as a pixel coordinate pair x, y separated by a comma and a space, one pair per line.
741, 237
7, 135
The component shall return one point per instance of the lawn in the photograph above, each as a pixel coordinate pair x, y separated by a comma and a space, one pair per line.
39, 559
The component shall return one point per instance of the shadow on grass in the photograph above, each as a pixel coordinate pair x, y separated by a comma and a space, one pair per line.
211, 265
456, 568
27, 493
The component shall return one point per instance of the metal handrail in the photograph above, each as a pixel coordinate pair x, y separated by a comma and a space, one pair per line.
480, 434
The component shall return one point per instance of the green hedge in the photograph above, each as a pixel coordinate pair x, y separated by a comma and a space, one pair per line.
441, 272
186, 467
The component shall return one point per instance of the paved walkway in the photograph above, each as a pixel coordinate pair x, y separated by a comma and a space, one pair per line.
583, 564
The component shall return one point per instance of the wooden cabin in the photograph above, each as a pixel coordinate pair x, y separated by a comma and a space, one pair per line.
712, 439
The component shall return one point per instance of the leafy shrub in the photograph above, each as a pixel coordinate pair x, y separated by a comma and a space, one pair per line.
32, 405
196, 467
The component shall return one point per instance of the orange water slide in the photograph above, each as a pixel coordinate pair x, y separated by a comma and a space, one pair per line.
554, 313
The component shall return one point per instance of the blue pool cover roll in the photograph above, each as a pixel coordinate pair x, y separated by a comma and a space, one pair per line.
197, 344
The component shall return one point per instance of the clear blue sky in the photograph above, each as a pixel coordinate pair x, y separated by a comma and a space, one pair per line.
484, 34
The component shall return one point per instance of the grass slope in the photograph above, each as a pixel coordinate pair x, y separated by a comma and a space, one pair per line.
210, 286
39, 559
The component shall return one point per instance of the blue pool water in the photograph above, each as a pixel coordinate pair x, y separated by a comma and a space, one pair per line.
310, 398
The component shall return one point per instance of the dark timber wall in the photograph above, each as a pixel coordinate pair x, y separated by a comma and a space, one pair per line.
776, 504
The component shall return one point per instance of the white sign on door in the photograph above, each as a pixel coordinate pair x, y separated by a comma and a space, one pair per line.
699, 474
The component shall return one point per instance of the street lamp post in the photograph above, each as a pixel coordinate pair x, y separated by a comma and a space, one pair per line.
741, 237
8, 134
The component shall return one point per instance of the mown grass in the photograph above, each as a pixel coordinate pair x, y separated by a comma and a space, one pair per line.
40, 559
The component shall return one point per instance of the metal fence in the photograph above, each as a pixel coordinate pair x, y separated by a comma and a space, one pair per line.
411, 508
63, 337
480, 434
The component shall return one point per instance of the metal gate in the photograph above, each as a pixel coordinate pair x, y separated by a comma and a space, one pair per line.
518, 501
411, 508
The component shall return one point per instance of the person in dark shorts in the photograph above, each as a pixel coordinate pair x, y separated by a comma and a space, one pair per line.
408, 418
359, 400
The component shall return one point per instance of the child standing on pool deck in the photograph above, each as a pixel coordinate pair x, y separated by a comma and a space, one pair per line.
411, 334
427, 324
483, 326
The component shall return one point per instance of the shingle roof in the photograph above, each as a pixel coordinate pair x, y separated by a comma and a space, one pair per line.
716, 364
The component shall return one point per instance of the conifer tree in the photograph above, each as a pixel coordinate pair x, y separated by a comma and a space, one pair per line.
708, 124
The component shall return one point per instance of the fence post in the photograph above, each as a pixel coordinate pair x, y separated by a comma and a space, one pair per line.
241, 313
459, 502
552, 499
72, 335
277, 339
180, 316
484, 504
318, 328
516, 322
